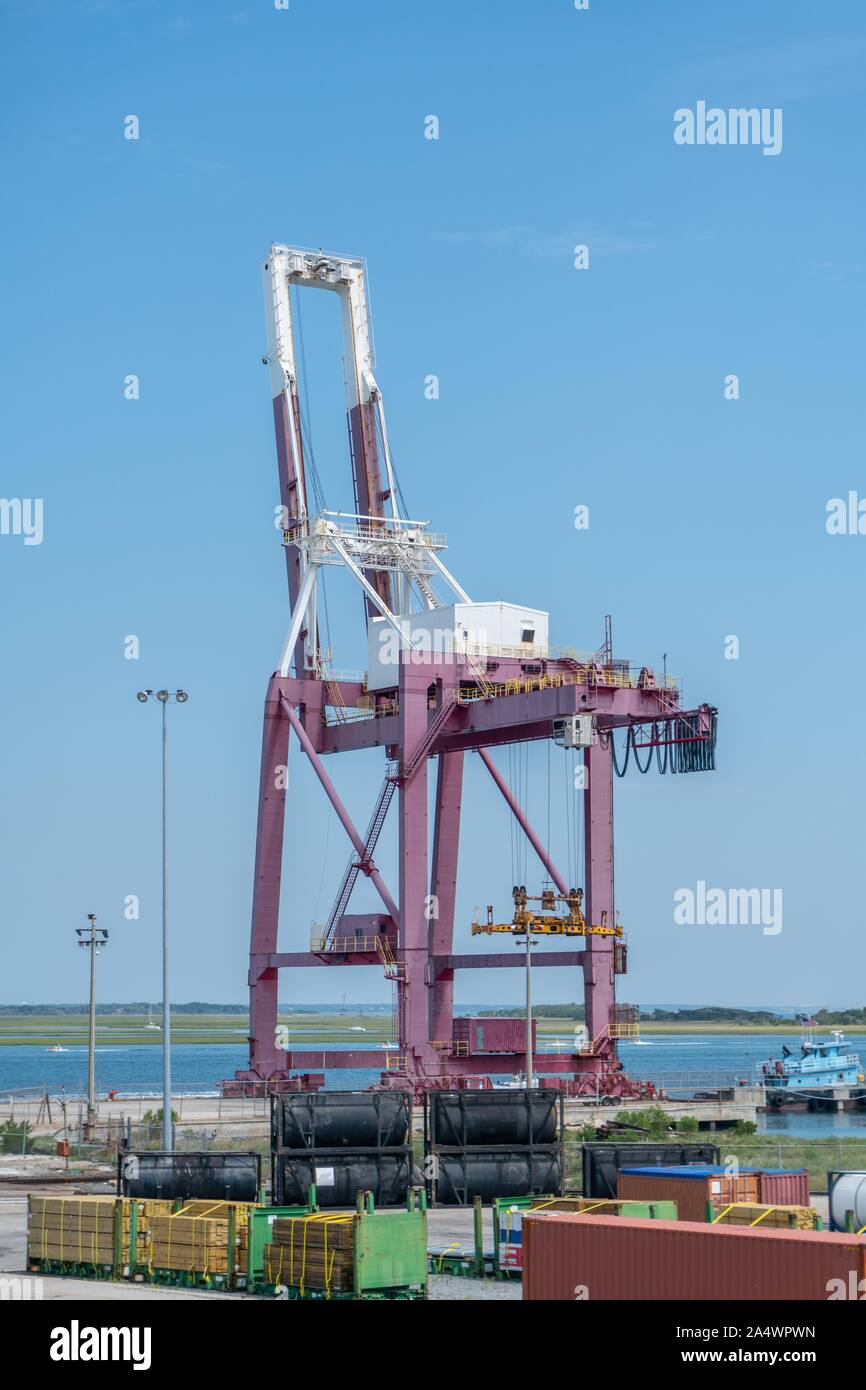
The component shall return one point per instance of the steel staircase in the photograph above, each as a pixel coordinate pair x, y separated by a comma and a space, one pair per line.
434, 728
354, 866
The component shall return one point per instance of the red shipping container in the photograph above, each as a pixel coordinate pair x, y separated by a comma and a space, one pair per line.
492, 1034
783, 1187
690, 1194
567, 1258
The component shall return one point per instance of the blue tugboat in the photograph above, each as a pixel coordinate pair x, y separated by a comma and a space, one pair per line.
819, 1068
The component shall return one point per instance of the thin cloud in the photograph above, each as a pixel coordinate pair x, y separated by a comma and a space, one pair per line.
789, 73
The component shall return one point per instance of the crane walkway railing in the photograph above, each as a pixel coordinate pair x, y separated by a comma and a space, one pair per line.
378, 946
666, 688
612, 1032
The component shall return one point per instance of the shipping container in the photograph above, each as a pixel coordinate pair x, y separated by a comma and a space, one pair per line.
786, 1187
692, 1186
487, 1035
601, 1161
568, 1259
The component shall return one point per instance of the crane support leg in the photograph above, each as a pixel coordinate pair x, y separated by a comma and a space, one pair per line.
553, 872
598, 961
443, 888
264, 1055
414, 882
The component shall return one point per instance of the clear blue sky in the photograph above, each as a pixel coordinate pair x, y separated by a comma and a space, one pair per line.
558, 387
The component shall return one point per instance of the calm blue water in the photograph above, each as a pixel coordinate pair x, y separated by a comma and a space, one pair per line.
667, 1059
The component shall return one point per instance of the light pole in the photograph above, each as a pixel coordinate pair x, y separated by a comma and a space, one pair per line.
163, 696
529, 1051
91, 938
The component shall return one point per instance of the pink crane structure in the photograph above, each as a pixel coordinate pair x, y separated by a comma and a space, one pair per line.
446, 677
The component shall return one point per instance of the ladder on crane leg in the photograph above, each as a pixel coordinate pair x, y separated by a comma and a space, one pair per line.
353, 868
434, 728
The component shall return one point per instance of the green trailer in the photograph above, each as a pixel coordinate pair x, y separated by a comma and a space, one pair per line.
259, 1235
120, 1232
389, 1254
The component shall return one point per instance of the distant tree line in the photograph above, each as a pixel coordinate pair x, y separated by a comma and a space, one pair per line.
194, 1007
122, 1010
824, 1018
570, 1011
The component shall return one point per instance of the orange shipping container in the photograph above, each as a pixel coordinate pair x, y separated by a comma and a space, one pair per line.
784, 1187
691, 1193
567, 1259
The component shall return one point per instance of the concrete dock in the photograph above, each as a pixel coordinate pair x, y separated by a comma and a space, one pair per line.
248, 1117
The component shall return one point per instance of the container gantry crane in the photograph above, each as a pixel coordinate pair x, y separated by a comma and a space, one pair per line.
446, 676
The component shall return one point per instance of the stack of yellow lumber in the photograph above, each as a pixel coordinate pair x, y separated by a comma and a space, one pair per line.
81, 1229
148, 1208
195, 1238
770, 1217
312, 1252
76, 1229
217, 1210
603, 1206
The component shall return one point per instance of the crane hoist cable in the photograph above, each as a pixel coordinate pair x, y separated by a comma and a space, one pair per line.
579, 841
524, 843
568, 825
548, 798
511, 818
518, 775
404, 510
331, 816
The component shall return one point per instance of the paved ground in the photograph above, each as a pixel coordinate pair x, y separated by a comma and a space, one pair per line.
449, 1230
447, 1286
249, 1117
